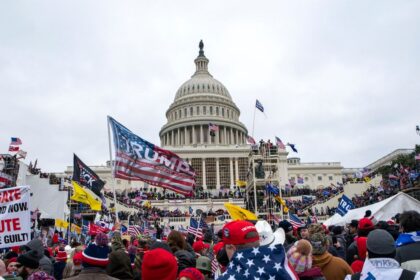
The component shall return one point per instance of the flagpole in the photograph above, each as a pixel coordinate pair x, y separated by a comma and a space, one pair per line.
112, 171
253, 122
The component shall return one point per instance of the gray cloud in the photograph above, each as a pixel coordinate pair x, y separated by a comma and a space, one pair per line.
339, 79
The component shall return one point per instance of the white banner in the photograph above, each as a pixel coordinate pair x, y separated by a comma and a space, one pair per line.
15, 217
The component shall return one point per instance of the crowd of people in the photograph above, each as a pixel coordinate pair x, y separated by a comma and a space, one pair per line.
241, 249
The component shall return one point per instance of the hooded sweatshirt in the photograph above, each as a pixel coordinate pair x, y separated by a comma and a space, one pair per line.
332, 267
44, 262
119, 262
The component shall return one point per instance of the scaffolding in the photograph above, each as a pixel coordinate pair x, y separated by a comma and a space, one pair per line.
10, 167
265, 167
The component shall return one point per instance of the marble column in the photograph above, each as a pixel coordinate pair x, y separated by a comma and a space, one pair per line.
203, 167
179, 137
232, 179
194, 139
201, 135
217, 174
224, 136
236, 169
172, 138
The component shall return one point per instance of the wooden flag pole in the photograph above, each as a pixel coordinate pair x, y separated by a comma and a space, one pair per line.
112, 171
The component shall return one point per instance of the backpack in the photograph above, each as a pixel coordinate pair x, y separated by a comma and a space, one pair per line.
405, 275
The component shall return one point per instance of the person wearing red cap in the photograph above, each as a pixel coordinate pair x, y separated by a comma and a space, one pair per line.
191, 273
201, 248
248, 259
353, 252
159, 264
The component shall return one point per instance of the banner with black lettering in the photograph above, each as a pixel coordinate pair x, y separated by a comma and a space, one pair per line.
15, 217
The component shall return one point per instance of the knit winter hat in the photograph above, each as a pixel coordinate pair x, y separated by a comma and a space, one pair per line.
29, 259
366, 224
96, 254
319, 243
192, 274
159, 264
300, 256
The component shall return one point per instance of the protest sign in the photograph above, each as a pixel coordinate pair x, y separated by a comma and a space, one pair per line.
344, 206
15, 217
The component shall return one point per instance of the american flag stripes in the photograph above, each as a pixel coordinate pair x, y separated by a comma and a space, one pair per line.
295, 221
195, 228
280, 144
134, 230
5, 179
214, 265
250, 140
137, 159
13, 148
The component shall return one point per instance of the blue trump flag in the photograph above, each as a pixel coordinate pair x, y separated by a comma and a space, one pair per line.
344, 206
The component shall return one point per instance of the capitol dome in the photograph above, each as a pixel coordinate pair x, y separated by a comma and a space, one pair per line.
200, 101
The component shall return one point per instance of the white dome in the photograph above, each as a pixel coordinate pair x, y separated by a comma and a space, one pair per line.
202, 84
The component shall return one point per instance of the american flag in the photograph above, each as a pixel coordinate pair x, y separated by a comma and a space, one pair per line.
15, 141
13, 148
280, 143
214, 265
251, 140
300, 180
195, 229
213, 127
5, 179
181, 229
138, 160
264, 262
134, 230
295, 221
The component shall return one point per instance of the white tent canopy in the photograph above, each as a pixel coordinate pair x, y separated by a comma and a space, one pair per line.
382, 211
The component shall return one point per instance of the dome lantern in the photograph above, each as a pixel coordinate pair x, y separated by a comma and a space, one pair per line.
201, 62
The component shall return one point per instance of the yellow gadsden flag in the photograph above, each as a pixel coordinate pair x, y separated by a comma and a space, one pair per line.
238, 213
86, 196
59, 223
240, 183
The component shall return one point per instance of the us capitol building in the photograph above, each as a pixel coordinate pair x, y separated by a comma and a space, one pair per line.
222, 159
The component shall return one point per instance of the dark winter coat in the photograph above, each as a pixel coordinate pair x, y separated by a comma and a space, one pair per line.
119, 262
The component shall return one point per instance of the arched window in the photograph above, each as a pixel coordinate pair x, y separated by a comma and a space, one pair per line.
176, 115
204, 110
211, 110
191, 111
185, 112
198, 110
223, 112
180, 113
217, 111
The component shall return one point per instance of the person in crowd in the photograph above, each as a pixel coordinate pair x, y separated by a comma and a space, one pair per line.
60, 264
30, 268
12, 266
351, 232
331, 267
44, 262
288, 230
159, 264
200, 248
338, 241
119, 262
242, 245
300, 258
191, 274
303, 232
176, 241
381, 263
74, 263
95, 260
408, 243
353, 252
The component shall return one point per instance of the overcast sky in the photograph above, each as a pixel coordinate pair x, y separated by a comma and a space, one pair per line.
340, 79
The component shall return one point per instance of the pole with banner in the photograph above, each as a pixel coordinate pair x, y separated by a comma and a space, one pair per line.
112, 171
15, 217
